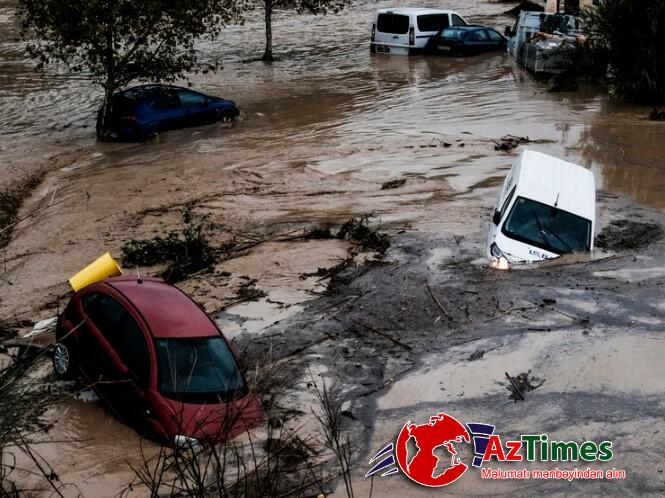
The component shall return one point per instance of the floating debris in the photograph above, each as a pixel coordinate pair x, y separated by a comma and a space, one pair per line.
397, 183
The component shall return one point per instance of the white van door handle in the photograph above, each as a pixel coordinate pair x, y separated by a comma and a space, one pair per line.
395, 37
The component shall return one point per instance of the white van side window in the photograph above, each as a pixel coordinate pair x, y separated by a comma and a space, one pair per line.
433, 22
458, 21
396, 24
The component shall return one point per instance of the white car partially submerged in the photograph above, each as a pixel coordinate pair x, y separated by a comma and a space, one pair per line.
404, 31
547, 208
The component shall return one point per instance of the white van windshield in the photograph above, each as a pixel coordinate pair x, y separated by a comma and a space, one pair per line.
396, 24
547, 227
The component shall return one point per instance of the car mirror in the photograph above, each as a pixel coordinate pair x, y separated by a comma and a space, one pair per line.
497, 217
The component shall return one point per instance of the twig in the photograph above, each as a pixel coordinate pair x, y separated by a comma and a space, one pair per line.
31, 214
467, 341
519, 393
399, 266
510, 310
384, 384
383, 334
443, 310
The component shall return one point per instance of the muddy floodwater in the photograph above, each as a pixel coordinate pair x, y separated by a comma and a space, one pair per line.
320, 131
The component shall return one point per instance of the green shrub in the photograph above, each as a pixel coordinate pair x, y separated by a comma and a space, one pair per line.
626, 48
186, 251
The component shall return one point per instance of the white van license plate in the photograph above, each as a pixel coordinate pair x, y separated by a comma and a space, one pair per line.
383, 49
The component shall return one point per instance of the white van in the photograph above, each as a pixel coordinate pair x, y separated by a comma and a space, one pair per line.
547, 208
527, 25
407, 31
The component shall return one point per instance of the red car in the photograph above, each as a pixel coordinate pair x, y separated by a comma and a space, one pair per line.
157, 359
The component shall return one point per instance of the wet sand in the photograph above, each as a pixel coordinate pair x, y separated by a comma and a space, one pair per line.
320, 131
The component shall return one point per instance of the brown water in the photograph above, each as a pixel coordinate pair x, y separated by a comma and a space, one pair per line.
331, 104
320, 131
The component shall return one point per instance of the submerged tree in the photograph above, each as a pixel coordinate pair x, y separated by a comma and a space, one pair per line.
300, 7
626, 47
116, 42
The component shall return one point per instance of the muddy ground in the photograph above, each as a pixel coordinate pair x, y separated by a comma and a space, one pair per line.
589, 333
321, 132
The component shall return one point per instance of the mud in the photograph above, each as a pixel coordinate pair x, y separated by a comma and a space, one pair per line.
321, 133
594, 341
628, 234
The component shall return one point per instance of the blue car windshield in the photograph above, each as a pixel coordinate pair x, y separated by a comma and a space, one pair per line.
198, 370
547, 227
454, 33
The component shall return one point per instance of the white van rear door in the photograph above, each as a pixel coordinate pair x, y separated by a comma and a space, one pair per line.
392, 29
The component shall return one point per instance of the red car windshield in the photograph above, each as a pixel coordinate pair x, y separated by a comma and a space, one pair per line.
198, 370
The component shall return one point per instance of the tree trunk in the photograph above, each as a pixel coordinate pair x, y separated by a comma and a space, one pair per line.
267, 55
104, 115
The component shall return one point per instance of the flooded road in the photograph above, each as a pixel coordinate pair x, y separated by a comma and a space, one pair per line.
331, 104
320, 131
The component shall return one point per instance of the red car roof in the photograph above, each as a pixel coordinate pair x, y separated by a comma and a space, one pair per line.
168, 311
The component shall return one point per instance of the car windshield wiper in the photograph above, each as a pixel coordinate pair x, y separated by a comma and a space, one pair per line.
558, 237
541, 232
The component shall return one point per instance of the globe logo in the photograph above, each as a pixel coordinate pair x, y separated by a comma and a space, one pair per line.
425, 467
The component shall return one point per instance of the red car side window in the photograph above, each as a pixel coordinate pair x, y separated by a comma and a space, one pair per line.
122, 331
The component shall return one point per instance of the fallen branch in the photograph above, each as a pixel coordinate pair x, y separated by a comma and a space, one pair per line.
443, 310
517, 391
383, 334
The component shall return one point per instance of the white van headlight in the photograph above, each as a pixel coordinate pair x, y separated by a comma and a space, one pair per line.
187, 443
498, 260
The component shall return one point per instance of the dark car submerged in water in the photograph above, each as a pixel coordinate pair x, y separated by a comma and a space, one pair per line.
156, 359
140, 112
466, 40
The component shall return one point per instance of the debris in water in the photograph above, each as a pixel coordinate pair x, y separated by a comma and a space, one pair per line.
41, 327
397, 183
510, 142
249, 292
358, 230
320, 233
329, 272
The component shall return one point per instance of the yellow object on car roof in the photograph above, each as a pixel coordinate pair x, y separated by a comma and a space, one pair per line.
103, 267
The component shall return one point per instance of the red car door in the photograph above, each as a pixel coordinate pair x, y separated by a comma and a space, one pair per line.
115, 356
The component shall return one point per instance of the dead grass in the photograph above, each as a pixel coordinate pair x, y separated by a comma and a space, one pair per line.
23, 399
362, 232
11, 200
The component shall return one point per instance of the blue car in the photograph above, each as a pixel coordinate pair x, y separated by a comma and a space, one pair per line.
466, 40
140, 112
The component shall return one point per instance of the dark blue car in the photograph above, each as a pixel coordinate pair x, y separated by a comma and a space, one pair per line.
466, 40
140, 112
